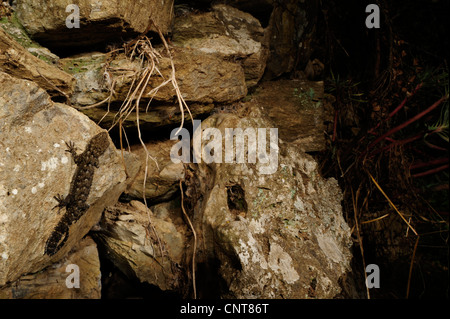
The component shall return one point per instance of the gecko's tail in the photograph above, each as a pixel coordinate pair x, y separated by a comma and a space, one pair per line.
57, 239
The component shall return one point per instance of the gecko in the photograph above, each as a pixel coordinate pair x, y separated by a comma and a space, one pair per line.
75, 202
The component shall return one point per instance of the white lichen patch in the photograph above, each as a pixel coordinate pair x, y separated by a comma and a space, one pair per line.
299, 204
281, 262
329, 247
308, 166
258, 226
249, 253
3, 218
244, 254
50, 165
64, 160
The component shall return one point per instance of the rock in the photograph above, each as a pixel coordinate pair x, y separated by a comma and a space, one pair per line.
260, 9
17, 61
203, 78
44, 54
162, 180
227, 31
35, 167
151, 120
296, 108
54, 282
87, 69
278, 235
153, 254
99, 22
292, 28
17, 32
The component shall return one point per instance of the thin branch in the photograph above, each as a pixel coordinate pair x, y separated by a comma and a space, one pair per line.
195, 241
411, 120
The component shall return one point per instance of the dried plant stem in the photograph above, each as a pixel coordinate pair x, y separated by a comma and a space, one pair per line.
181, 101
87, 107
411, 267
392, 204
375, 219
358, 234
195, 241
409, 227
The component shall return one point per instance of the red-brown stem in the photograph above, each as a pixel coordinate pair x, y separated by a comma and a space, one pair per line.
441, 187
433, 162
405, 141
390, 140
431, 171
399, 107
335, 125
435, 146
411, 120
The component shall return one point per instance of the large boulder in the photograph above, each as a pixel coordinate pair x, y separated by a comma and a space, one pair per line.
276, 229
36, 173
100, 22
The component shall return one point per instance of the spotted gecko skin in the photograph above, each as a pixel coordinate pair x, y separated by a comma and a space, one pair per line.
75, 201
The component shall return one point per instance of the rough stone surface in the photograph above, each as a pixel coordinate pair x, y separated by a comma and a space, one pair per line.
227, 31
279, 235
292, 32
163, 176
35, 167
100, 21
18, 33
202, 78
296, 107
151, 252
17, 61
50, 283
